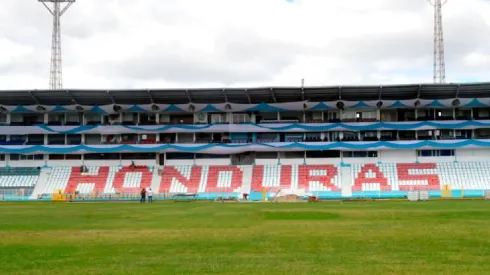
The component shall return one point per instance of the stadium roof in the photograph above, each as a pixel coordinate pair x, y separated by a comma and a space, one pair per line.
244, 95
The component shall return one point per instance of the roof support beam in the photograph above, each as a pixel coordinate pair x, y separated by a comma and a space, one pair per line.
303, 89
111, 97
457, 91
35, 98
419, 90
226, 96
188, 96
72, 97
248, 96
273, 95
150, 96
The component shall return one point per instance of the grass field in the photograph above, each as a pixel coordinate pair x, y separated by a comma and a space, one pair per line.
435, 237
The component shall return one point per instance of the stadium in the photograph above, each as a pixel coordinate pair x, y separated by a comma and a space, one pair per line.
327, 142
380, 179
415, 142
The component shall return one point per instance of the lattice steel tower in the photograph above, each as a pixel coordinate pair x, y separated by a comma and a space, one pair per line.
439, 62
56, 69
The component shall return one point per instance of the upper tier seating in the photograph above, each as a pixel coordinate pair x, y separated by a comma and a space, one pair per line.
18, 177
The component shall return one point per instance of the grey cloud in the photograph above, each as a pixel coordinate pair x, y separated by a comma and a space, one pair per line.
33, 22
33, 64
80, 28
463, 34
466, 33
238, 58
398, 45
27, 28
84, 19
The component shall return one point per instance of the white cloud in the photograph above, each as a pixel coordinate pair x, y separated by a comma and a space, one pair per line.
476, 59
12, 51
195, 43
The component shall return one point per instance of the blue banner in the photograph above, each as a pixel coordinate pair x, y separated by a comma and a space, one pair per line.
220, 148
244, 128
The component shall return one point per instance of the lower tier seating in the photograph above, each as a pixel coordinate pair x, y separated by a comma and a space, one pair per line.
199, 179
107, 180
307, 177
385, 177
420, 176
18, 177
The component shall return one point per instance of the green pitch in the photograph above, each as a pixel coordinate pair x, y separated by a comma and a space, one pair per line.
435, 237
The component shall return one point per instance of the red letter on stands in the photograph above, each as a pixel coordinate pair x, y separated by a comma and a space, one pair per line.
284, 179
214, 176
378, 178
76, 178
325, 177
432, 180
171, 175
118, 183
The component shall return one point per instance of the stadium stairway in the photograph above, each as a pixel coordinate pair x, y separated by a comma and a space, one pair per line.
155, 181
41, 183
346, 181
247, 178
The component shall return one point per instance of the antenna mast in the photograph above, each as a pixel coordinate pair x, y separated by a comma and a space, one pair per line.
439, 73
55, 74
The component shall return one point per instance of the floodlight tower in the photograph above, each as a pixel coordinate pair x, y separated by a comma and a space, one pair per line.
439, 62
55, 74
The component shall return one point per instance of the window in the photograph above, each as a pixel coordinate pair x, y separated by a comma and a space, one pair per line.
26, 157
266, 155
435, 153
73, 157
360, 154
176, 156
56, 157
105, 156
212, 156
323, 154
293, 155
132, 156
218, 118
241, 118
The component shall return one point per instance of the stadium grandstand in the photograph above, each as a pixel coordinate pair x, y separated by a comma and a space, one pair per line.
333, 142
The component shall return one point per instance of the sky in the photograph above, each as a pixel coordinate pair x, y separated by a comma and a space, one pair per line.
121, 44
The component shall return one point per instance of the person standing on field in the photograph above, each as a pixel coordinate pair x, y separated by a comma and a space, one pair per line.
143, 195
150, 196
